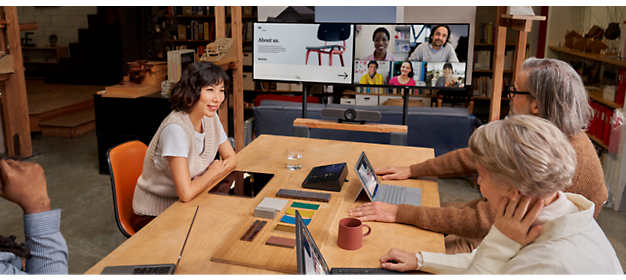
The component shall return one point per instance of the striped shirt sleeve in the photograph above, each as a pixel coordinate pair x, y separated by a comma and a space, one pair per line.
47, 245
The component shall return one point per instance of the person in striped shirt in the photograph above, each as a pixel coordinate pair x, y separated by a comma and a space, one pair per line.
45, 251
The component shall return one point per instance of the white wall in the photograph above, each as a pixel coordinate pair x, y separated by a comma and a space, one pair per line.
64, 21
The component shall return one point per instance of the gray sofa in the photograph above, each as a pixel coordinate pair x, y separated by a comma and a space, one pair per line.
443, 129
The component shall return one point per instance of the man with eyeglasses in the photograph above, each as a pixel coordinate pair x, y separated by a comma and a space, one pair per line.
547, 88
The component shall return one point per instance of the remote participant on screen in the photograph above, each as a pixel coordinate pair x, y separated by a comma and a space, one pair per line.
438, 49
381, 41
447, 80
372, 77
406, 76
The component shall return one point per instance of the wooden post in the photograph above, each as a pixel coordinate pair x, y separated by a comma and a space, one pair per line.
14, 100
235, 12
520, 53
220, 32
496, 90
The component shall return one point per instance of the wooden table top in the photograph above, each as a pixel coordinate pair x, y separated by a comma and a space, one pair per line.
220, 218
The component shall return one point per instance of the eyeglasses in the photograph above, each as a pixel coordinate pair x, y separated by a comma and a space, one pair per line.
511, 91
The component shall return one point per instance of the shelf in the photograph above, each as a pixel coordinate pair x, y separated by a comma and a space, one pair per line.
390, 94
188, 41
491, 45
491, 71
488, 98
593, 56
597, 96
205, 16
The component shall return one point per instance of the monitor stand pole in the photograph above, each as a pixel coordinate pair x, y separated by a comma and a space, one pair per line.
305, 92
405, 109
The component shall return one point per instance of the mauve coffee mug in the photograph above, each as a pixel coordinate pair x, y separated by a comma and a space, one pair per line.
351, 235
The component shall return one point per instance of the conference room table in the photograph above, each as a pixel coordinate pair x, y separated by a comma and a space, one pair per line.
213, 245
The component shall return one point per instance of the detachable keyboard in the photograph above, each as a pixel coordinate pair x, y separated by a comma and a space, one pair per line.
390, 194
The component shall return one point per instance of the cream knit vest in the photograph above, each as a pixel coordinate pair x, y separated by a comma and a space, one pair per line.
155, 189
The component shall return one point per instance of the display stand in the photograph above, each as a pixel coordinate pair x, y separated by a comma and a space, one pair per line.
523, 25
13, 86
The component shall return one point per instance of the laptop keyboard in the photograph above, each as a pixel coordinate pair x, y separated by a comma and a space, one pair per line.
355, 272
151, 270
390, 194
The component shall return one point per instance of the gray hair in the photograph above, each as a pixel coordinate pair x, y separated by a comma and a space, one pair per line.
525, 153
561, 96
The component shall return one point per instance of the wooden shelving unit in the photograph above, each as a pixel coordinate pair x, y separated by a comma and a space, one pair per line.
522, 24
13, 86
595, 95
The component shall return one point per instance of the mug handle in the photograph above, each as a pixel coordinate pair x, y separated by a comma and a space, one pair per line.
369, 230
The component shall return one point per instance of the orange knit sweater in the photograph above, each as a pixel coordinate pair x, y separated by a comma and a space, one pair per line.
474, 219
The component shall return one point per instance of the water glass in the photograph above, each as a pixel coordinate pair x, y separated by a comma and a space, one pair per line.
294, 158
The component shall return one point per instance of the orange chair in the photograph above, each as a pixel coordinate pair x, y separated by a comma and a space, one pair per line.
125, 165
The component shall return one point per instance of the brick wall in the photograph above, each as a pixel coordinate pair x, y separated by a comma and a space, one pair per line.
62, 21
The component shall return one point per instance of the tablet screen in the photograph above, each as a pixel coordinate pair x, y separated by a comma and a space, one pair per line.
242, 183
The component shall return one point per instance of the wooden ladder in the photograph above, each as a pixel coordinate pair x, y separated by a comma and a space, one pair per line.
13, 86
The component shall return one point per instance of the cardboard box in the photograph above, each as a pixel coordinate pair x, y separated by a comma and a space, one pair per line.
397, 101
350, 101
6, 64
248, 83
365, 99
283, 87
609, 93
247, 59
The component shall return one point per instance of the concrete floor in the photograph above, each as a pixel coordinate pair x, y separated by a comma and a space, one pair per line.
88, 223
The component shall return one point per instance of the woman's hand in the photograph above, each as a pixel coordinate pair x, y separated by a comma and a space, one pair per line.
398, 260
218, 166
394, 173
514, 221
375, 211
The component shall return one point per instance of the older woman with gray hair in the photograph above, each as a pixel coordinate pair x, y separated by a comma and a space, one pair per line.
524, 161
547, 88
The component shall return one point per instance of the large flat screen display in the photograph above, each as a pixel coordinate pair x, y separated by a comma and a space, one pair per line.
303, 52
414, 55
411, 55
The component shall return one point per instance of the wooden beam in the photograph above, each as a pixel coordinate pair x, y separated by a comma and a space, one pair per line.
14, 101
368, 127
520, 53
220, 22
498, 67
235, 19
220, 32
28, 26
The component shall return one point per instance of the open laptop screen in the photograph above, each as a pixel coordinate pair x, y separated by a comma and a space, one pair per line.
366, 174
310, 261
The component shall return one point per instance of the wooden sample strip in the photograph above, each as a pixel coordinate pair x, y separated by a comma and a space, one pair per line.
285, 229
281, 242
253, 230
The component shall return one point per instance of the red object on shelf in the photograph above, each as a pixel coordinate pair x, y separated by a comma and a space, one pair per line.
621, 87
607, 126
309, 99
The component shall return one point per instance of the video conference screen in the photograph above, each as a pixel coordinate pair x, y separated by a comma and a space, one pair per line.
379, 55
303, 52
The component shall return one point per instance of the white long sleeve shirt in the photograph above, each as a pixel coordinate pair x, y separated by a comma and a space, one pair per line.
571, 242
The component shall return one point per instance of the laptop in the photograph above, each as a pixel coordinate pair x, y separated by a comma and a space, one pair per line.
149, 269
311, 262
384, 193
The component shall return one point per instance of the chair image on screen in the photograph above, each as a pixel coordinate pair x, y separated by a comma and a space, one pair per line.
330, 33
125, 166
